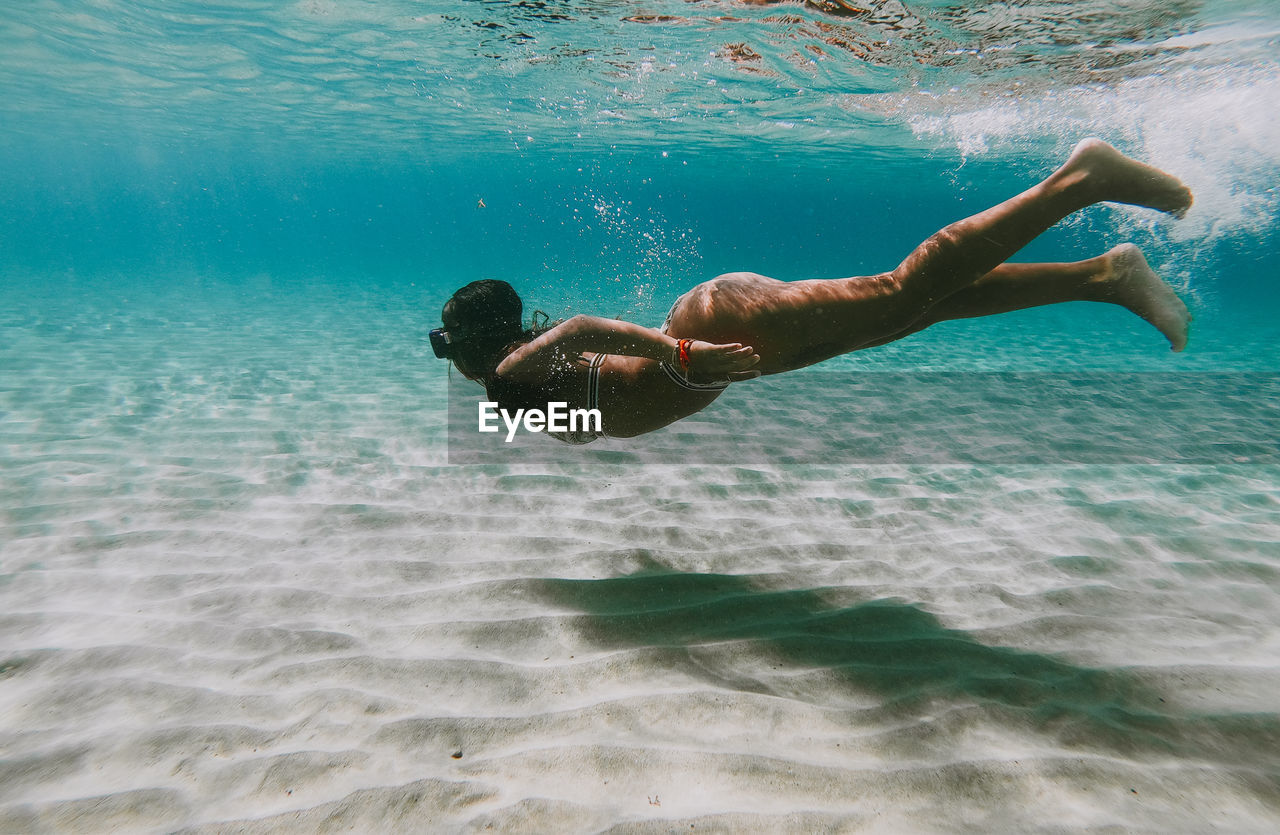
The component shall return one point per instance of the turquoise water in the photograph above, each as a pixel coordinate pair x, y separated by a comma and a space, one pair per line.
241, 582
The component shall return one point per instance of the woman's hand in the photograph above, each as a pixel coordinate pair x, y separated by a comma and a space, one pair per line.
709, 362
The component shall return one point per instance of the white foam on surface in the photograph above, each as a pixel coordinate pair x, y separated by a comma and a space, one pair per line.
1209, 126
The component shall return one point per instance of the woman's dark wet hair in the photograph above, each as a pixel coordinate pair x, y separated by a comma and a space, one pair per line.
485, 323
482, 319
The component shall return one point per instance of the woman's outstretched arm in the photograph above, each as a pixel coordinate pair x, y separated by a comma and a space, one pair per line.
614, 336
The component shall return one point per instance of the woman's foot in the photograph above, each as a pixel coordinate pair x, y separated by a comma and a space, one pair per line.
1132, 283
1116, 178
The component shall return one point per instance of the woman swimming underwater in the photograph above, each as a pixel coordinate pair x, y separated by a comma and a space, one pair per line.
743, 325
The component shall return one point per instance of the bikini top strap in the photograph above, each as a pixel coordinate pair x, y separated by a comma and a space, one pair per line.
684, 382
593, 381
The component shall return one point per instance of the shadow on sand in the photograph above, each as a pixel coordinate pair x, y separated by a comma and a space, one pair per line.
912, 663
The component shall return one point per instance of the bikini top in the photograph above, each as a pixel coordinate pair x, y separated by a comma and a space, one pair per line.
584, 435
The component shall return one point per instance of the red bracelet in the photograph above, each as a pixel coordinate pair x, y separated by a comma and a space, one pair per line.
682, 352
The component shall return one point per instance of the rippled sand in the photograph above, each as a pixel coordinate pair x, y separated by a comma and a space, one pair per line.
242, 590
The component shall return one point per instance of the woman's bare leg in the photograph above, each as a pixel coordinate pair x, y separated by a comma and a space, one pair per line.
1121, 276
964, 252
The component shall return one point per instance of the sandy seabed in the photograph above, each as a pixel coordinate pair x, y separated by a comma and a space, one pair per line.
241, 589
